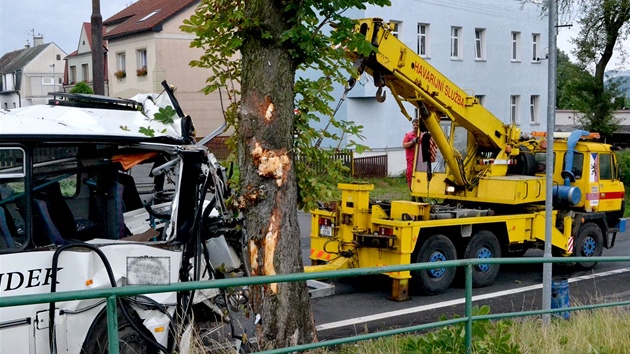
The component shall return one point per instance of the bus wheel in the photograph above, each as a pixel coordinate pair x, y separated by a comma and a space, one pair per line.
588, 243
129, 341
483, 245
437, 280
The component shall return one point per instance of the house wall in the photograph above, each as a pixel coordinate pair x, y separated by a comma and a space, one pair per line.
569, 117
132, 84
37, 79
168, 58
8, 97
78, 61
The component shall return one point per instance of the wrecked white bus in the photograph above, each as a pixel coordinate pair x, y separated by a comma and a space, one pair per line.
97, 192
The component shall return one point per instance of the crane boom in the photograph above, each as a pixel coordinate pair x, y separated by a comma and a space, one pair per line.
412, 79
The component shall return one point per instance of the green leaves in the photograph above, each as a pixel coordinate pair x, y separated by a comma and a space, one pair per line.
221, 27
487, 337
165, 115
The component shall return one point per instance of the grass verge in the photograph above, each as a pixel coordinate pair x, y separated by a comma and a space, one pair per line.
589, 332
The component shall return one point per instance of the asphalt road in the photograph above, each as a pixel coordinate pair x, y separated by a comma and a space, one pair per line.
360, 304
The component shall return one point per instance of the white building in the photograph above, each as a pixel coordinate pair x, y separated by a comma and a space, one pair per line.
27, 75
79, 62
492, 49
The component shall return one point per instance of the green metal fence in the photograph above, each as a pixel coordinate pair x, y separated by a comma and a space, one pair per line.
111, 295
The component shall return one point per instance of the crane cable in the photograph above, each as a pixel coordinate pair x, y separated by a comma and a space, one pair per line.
359, 64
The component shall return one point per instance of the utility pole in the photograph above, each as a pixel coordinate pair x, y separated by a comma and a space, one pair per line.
98, 60
54, 78
551, 120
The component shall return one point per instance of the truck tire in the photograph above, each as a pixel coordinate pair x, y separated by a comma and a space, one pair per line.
588, 243
129, 341
483, 244
437, 280
525, 163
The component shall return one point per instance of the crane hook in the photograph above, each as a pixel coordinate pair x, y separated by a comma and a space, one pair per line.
380, 95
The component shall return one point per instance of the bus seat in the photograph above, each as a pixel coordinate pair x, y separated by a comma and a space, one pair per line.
6, 239
44, 230
54, 220
108, 206
130, 197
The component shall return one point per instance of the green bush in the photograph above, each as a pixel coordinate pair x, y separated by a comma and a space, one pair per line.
82, 87
624, 166
487, 337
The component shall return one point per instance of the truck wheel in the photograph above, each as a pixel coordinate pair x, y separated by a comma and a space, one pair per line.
434, 281
484, 244
525, 163
129, 341
588, 243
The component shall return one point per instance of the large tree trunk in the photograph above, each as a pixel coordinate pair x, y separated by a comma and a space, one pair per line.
267, 178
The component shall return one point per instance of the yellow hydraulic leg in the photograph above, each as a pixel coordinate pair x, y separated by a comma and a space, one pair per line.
400, 290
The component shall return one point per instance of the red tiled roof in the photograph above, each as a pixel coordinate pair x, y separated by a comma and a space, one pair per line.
128, 20
87, 26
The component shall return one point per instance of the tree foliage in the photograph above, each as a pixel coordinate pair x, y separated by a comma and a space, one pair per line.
252, 50
604, 25
82, 87
575, 91
221, 28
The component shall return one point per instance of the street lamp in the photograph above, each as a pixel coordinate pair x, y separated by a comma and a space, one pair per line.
54, 78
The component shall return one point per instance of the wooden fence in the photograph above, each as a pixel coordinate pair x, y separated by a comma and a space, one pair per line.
360, 167
370, 167
219, 148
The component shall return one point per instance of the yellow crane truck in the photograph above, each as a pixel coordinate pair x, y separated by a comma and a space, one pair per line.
485, 191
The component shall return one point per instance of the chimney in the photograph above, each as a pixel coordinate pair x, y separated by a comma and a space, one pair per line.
38, 40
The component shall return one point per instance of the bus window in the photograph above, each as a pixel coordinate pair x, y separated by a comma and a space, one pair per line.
11, 163
12, 174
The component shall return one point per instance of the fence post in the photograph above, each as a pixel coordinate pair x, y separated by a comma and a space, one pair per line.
112, 325
469, 319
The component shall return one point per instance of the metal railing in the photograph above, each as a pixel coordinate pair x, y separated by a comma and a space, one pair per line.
111, 295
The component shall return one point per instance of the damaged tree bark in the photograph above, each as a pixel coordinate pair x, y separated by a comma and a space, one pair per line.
268, 185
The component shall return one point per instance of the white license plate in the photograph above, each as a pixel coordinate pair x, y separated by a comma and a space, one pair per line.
325, 230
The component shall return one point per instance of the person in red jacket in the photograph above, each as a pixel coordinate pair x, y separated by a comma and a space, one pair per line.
409, 143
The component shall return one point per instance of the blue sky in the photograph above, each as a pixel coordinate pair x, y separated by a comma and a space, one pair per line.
59, 21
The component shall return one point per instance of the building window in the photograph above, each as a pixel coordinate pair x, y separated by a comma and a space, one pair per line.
516, 43
141, 62
456, 42
85, 71
535, 46
480, 44
58, 56
533, 109
394, 26
423, 40
73, 75
514, 109
121, 65
481, 99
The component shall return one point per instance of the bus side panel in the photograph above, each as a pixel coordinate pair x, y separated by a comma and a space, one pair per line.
30, 273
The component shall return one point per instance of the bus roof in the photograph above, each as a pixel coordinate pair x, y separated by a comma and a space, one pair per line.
67, 119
